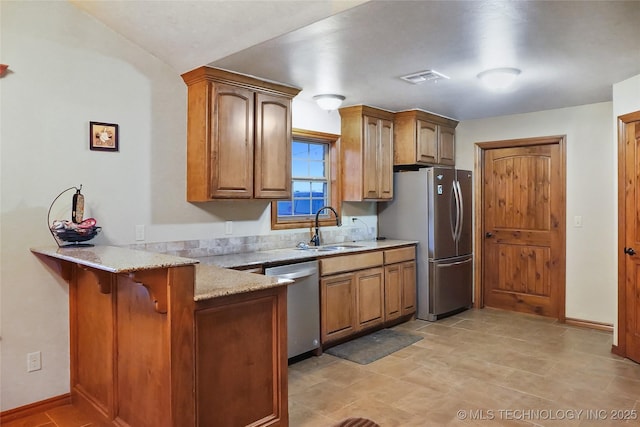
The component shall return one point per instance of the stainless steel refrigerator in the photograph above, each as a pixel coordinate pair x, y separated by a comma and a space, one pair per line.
433, 206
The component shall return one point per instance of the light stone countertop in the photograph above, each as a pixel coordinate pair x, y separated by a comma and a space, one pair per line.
114, 259
213, 282
210, 281
281, 256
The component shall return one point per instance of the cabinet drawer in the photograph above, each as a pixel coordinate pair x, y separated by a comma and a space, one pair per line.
392, 256
350, 262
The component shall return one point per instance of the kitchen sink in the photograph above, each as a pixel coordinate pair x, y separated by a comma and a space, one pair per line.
315, 249
327, 248
340, 247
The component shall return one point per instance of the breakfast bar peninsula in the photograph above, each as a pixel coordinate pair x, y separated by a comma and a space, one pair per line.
159, 340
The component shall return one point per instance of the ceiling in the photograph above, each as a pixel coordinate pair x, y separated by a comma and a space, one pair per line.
570, 52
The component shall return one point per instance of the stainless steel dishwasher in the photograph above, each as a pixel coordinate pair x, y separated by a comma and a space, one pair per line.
303, 305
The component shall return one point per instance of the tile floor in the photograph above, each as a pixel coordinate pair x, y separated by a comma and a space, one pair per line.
497, 368
490, 367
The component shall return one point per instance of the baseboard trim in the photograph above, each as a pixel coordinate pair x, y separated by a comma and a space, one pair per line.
34, 408
617, 351
607, 327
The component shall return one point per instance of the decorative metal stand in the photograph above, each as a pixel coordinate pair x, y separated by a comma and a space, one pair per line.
73, 237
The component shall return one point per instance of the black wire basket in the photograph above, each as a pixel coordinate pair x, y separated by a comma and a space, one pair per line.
76, 236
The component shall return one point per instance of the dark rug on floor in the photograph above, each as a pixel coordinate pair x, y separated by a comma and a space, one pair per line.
374, 346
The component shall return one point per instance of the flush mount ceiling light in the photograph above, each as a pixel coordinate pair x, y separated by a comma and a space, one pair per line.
424, 76
329, 102
499, 79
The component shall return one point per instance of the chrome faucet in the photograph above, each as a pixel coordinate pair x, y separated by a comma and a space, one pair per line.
315, 240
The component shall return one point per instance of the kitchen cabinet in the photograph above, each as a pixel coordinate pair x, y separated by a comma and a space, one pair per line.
338, 306
366, 291
399, 283
370, 297
366, 150
423, 139
148, 350
238, 136
351, 294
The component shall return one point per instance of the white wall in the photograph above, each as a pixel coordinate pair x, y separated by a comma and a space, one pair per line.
591, 275
68, 69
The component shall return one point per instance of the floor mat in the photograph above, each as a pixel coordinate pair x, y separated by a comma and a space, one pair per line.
374, 346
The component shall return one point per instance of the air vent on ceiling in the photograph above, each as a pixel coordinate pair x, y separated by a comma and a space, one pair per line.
424, 76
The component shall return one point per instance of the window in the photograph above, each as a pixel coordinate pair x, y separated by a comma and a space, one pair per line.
314, 176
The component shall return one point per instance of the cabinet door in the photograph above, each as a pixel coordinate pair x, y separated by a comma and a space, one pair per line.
232, 142
377, 159
408, 288
446, 146
370, 297
272, 179
392, 292
370, 179
385, 160
338, 306
426, 142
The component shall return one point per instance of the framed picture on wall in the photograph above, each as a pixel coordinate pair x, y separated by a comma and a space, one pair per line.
103, 136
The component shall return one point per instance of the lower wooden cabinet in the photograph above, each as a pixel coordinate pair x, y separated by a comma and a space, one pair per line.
338, 311
370, 297
361, 292
399, 290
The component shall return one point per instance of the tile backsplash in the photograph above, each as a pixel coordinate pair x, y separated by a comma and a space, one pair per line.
243, 244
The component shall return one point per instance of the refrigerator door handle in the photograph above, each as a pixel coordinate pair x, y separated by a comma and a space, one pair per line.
453, 216
460, 205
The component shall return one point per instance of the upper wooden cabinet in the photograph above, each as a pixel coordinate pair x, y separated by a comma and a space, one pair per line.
366, 149
238, 136
422, 138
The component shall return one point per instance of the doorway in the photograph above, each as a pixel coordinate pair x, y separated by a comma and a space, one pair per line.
628, 237
520, 226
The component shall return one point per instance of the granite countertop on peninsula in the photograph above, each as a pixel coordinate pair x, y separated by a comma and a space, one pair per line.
213, 282
210, 281
114, 259
281, 256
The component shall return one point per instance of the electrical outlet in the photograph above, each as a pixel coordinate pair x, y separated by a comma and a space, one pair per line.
228, 227
34, 361
139, 232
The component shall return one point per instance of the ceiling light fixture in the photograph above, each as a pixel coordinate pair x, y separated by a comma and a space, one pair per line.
499, 79
329, 102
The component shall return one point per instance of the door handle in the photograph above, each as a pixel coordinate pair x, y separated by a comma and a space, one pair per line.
488, 235
629, 251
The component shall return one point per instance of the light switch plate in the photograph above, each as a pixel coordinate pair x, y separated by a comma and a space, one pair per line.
577, 221
139, 232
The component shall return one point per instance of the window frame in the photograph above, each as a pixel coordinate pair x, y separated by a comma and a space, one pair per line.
333, 141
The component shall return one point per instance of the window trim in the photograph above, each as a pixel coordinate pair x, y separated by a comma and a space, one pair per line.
334, 182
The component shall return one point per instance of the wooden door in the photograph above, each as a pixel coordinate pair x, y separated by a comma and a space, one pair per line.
523, 215
338, 301
385, 160
446, 146
370, 297
629, 237
232, 142
272, 178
